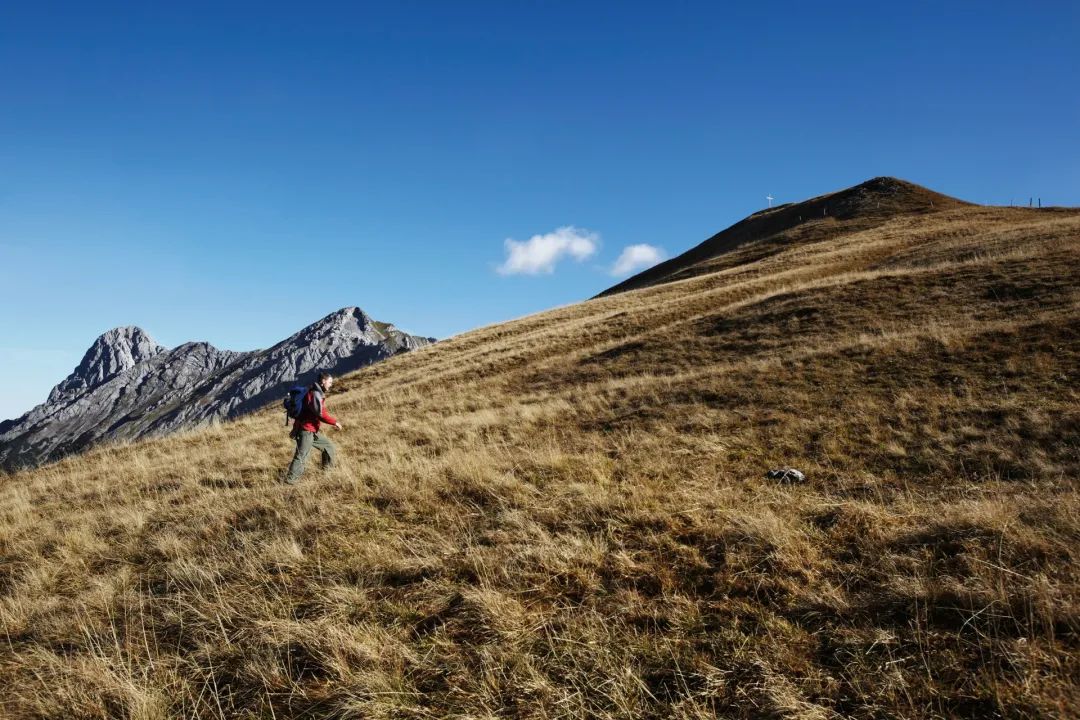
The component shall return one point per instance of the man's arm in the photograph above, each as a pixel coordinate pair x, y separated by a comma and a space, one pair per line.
320, 409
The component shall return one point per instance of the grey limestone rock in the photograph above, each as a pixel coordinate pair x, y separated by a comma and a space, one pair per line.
114, 352
787, 476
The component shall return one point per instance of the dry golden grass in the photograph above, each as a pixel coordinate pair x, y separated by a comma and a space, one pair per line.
566, 515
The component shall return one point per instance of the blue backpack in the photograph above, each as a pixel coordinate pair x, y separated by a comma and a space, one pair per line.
294, 402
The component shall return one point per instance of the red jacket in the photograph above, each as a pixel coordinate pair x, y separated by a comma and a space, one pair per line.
314, 412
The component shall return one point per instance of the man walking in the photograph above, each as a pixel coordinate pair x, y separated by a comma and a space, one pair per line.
306, 429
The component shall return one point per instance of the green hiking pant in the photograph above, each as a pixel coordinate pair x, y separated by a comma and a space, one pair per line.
305, 441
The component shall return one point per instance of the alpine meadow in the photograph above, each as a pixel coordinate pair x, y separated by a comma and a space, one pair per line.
568, 515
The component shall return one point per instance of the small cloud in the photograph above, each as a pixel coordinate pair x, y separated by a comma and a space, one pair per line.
637, 257
540, 253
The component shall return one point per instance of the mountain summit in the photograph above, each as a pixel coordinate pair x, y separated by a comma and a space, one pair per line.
127, 386
856, 208
114, 352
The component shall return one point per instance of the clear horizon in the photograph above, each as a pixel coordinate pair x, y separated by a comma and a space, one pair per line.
446, 168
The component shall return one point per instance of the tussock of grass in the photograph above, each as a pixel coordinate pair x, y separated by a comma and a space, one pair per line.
566, 515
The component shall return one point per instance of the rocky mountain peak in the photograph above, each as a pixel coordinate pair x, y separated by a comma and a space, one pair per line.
112, 353
347, 317
345, 327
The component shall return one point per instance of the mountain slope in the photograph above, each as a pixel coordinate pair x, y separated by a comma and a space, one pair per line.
857, 208
567, 515
127, 386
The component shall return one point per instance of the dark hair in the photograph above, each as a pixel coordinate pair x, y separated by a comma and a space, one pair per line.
324, 376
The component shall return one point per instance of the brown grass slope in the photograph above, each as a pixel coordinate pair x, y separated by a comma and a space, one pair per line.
565, 515
861, 207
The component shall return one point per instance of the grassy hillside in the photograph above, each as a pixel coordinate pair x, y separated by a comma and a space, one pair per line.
566, 515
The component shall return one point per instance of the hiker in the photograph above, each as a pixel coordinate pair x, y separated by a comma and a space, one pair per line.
305, 429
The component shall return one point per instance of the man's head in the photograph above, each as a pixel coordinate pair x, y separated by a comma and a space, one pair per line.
326, 380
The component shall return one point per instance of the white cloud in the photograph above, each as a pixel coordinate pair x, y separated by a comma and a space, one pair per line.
637, 257
540, 253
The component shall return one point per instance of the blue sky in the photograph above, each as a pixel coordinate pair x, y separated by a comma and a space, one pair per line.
233, 174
